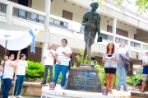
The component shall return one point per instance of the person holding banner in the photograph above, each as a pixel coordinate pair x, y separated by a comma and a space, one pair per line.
20, 74
9, 67
1, 68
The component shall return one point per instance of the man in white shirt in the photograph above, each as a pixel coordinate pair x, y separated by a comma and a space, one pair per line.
8, 75
49, 58
63, 54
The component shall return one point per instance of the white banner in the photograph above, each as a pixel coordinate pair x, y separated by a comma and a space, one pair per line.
16, 40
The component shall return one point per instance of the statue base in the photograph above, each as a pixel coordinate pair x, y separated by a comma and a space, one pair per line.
84, 79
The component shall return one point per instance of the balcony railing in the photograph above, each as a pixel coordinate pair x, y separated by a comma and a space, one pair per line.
33, 15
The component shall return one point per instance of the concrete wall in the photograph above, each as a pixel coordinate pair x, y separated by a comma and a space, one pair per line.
58, 6
38, 4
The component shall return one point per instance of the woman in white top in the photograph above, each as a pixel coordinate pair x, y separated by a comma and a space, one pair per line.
20, 74
110, 65
8, 75
1, 67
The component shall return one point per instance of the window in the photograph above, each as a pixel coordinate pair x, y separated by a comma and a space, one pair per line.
67, 15
119, 31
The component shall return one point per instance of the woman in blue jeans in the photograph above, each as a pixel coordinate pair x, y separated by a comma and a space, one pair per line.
123, 57
20, 75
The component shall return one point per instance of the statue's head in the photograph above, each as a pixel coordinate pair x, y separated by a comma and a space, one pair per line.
94, 6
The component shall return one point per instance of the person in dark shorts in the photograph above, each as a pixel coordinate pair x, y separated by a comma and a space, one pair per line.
110, 65
145, 71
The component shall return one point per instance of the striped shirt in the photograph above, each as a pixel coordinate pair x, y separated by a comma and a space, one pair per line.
61, 57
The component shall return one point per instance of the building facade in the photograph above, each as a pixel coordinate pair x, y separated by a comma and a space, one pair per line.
59, 19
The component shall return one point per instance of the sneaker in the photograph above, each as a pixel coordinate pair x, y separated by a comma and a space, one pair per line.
43, 83
19, 96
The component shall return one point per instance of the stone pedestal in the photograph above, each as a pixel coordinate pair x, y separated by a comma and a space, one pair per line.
84, 79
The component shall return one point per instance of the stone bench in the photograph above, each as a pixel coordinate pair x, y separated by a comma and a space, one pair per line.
30, 89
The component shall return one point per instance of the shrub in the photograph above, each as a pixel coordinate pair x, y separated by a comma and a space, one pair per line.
35, 71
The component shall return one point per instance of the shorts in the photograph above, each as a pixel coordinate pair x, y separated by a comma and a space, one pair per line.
144, 77
110, 70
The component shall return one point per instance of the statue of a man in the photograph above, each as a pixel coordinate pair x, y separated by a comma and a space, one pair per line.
91, 23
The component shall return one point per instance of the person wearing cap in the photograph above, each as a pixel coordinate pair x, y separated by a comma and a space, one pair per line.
145, 71
123, 57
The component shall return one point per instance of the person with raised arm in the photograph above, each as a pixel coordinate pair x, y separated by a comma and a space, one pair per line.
8, 73
21, 66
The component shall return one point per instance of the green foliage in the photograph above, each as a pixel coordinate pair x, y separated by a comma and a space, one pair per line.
142, 5
133, 80
35, 71
79, 58
101, 73
119, 2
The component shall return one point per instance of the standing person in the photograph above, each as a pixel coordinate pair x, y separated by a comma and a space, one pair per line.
145, 71
123, 57
49, 58
1, 68
63, 54
110, 65
20, 74
8, 75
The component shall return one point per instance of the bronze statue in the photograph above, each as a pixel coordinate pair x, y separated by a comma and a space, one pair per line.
91, 23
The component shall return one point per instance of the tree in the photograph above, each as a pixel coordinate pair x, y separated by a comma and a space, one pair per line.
141, 4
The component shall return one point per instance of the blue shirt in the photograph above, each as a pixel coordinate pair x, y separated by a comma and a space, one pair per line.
145, 70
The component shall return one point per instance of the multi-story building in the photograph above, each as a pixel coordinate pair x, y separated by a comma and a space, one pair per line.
59, 19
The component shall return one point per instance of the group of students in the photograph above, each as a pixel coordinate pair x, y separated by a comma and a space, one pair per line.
13, 69
116, 62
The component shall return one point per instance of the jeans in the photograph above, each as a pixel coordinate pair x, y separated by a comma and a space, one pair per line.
0, 80
121, 77
6, 86
60, 68
18, 85
48, 67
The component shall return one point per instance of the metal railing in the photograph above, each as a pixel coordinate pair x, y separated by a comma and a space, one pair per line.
33, 15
